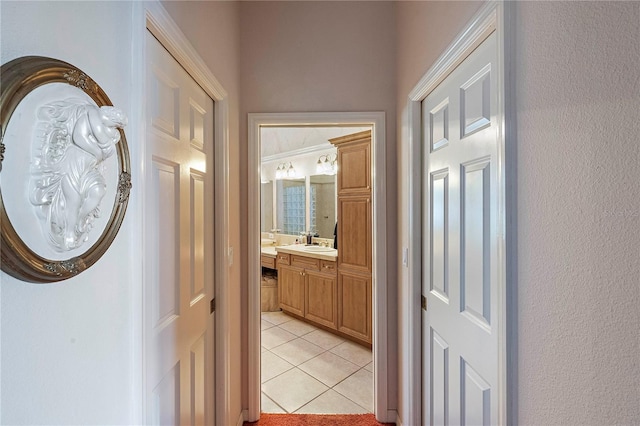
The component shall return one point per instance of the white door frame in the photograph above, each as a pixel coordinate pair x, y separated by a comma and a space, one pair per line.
151, 16
380, 361
493, 16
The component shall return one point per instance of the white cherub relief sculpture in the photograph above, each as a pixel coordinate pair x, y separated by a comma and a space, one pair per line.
73, 139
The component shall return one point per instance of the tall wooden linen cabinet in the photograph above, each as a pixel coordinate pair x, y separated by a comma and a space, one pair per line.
354, 235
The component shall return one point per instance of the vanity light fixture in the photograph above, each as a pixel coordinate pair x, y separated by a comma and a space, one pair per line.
285, 170
327, 164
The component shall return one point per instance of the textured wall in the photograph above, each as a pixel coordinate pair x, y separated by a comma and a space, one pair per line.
66, 347
578, 89
578, 85
322, 56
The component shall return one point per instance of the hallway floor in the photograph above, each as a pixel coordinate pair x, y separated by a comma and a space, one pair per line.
308, 370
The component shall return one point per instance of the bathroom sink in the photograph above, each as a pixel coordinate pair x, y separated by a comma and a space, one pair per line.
319, 249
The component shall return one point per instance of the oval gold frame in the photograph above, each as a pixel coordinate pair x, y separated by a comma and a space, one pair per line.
17, 79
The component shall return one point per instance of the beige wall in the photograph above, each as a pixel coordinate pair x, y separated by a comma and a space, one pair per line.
212, 27
321, 56
577, 84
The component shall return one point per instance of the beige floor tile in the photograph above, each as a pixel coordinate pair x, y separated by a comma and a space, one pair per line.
331, 402
271, 366
265, 325
297, 351
358, 388
276, 318
323, 339
275, 337
268, 406
369, 367
297, 327
329, 368
353, 352
293, 389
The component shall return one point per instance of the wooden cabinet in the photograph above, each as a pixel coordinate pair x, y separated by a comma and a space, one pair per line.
354, 316
291, 289
354, 236
307, 287
354, 163
321, 301
354, 233
267, 261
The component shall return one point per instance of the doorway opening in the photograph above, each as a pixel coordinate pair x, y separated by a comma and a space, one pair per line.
308, 366
308, 334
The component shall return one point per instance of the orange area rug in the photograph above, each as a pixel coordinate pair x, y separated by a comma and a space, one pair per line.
316, 420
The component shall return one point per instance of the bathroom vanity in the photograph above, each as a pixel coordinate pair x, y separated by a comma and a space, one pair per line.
268, 257
328, 287
333, 288
307, 283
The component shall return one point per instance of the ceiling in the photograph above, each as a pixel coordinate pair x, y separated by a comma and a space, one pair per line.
278, 140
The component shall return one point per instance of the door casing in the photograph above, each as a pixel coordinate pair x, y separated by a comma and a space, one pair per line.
496, 16
380, 318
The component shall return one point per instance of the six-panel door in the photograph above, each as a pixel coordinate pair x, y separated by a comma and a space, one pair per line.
178, 244
461, 239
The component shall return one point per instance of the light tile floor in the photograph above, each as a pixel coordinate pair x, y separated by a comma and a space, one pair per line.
308, 370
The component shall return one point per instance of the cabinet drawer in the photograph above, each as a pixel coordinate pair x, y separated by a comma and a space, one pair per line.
268, 261
282, 258
305, 262
328, 267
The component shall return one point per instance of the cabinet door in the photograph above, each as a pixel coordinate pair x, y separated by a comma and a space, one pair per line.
354, 233
354, 305
354, 172
291, 289
321, 302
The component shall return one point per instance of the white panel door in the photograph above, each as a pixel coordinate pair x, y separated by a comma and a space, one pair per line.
179, 382
461, 239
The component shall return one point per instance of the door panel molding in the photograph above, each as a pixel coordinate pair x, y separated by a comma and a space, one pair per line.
495, 16
379, 266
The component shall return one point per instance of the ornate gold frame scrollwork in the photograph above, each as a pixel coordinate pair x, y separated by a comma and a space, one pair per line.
17, 79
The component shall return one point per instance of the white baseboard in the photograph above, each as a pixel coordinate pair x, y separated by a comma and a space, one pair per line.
392, 416
398, 419
244, 415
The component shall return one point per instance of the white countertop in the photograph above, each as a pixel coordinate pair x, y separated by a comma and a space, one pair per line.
316, 252
268, 251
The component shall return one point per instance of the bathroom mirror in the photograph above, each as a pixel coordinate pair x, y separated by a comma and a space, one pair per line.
266, 206
322, 196
291, 206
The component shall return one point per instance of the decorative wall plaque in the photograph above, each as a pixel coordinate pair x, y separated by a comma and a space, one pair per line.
65, 175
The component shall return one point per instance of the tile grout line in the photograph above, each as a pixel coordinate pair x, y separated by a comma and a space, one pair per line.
330, 350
